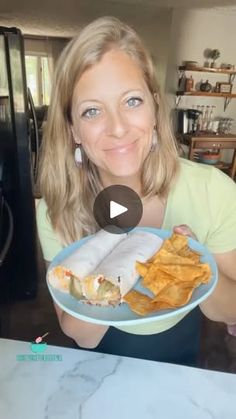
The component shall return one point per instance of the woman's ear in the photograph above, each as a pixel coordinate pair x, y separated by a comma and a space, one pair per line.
156, 102
74, 135
156, 98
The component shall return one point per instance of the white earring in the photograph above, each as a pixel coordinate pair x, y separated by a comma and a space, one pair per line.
78, 155
154, 140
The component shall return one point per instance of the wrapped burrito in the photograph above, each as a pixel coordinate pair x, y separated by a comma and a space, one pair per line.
103, 277
84, 260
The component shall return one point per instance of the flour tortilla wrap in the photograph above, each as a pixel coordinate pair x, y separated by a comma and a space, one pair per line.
119, 266
103, 270
85, 259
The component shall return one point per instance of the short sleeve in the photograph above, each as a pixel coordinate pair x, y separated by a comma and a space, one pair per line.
222, 202
48, 238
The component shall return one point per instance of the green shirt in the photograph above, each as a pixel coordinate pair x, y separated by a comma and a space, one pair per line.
203, 197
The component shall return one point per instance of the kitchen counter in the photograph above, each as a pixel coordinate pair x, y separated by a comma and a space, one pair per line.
73, 384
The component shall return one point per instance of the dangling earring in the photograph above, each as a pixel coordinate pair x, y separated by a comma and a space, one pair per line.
78, 155
154, 140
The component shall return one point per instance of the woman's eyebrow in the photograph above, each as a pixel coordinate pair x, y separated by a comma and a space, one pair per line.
134, 90
87, 100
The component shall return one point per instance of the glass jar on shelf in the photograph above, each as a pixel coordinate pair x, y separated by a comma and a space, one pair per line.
206, 118
228, 125
210, 119
225, 126
200, 118
189, 83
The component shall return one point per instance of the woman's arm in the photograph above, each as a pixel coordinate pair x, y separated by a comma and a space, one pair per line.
221, 304
86, 335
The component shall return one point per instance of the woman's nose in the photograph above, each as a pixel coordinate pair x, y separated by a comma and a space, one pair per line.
117, 125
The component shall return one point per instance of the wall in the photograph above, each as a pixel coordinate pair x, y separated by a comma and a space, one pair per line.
151, 22
155, 32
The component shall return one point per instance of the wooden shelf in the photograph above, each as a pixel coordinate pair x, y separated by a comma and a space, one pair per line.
208, 70
199, 144
208, 136
223, 165
212, 94
220, 164
227, 96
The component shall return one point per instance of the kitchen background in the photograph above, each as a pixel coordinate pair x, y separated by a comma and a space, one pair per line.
174, 31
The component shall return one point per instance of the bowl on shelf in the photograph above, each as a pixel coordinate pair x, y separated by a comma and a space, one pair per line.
190, 63
209, 157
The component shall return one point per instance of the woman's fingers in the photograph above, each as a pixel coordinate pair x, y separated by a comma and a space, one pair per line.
232, 329
185, 230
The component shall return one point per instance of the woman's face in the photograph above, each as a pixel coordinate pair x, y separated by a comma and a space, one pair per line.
113, 115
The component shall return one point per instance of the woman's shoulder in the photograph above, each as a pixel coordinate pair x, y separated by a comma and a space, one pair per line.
199, 174
42, 212
50, 242
205, 198
41, 206
194, 169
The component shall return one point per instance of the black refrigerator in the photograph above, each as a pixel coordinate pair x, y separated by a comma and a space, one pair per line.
18, 172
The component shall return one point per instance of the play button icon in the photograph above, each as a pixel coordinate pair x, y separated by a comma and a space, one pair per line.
117, 209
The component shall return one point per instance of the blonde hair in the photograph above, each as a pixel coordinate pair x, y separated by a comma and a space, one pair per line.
70, 191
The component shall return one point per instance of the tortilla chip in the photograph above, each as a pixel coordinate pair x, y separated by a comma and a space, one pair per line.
187, 252
139, 303
175, 295
187, 272
163, 256
171, 274
177, 244
155, 279
142, 268
172, 296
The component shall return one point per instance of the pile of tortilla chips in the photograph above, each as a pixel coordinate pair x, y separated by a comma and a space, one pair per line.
171, 275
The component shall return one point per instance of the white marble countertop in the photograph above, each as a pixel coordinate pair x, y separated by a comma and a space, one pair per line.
74, 384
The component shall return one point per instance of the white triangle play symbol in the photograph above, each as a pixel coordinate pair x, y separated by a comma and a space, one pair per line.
116, 209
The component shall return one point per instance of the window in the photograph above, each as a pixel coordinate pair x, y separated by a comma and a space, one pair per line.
38, 78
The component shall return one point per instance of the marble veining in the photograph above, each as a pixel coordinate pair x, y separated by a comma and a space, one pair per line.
88, 385
78, 385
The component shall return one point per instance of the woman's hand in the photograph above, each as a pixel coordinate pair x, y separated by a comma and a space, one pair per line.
232, 329
185, 230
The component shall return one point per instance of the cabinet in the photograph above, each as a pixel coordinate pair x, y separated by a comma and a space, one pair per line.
199, 143
226, 96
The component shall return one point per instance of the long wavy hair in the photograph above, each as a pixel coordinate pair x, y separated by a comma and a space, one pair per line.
70, 191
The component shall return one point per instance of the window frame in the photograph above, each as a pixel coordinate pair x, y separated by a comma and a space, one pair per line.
39, 76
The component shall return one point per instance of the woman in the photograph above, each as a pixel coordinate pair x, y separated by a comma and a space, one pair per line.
106, 111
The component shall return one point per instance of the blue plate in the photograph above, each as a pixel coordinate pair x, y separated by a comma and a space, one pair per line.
121, 316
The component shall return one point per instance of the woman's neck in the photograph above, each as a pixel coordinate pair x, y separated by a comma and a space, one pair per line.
132, 182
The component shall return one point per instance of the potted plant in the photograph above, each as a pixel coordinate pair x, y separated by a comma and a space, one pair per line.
207, 55
214, 54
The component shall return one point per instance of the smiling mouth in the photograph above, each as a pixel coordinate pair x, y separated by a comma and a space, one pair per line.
122, 148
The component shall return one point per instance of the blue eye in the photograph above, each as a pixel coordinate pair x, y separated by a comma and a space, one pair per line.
134, 101
90, 113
